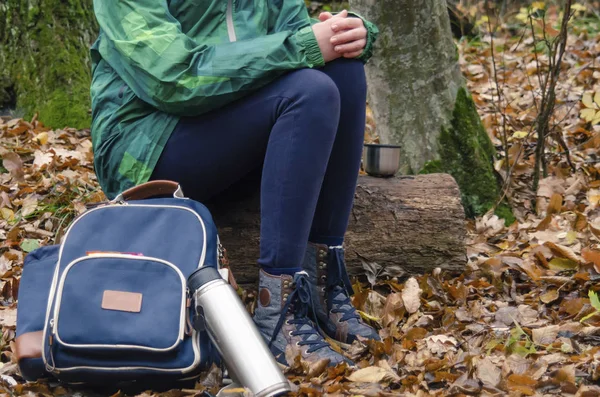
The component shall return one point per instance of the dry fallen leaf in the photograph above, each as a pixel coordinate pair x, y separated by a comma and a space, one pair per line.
8, 317
441, 344
373, 375
42, 138
550, 296
393, 305
13, 163
488, 373
411, 295
545, 335
563, 252
7, 214
29, 206
42, 159
591, 256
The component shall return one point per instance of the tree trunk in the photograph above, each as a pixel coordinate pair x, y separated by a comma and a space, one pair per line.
417, 95
410, 225
44, 58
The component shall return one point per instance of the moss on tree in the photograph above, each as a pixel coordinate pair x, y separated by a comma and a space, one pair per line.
44, 50
466, 152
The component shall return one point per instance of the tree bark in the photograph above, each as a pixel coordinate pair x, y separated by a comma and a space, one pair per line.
44, 58
414, 76
419, 100
410, 224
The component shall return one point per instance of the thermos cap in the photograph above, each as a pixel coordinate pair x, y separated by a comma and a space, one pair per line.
202, 276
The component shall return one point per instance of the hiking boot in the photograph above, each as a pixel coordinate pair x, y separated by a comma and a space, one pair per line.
329, 280
281, 316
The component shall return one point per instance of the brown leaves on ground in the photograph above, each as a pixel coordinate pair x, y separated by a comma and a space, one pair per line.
45, 177
508, 95
520, 320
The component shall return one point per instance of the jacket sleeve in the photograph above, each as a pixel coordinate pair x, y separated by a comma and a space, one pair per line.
292, 14
288, 15
372, 34
170, 71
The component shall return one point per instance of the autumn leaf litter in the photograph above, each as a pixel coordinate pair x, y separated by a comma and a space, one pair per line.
522, 319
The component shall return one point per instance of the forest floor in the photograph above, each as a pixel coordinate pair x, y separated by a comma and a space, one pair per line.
522, 319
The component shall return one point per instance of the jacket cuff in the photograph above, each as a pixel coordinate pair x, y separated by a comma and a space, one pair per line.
372, 34
307, 40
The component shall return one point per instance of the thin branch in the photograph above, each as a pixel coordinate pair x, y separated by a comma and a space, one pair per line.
549, 96
537, 61
495, 68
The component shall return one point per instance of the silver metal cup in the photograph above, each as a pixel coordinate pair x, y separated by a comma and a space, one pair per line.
249, 361
381, 160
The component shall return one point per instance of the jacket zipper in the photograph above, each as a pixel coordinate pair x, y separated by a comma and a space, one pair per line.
229, 17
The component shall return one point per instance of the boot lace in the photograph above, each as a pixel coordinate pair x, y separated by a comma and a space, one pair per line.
339, 287
302, 300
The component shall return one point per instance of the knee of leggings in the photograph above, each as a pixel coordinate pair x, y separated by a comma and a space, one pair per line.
319, 90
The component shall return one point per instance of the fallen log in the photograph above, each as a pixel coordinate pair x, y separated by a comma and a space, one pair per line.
403, 224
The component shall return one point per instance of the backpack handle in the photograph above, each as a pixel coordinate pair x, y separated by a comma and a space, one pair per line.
151, 189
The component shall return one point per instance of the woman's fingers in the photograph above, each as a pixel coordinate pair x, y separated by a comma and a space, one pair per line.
341, 15
349, 36
352, 54
325, 16
354, 46
347, 24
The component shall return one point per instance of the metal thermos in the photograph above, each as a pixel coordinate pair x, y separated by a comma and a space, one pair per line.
220, 311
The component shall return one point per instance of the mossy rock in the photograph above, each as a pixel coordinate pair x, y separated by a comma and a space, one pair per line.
466, 152
44, 50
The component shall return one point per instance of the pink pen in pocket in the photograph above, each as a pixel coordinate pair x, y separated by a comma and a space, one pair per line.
91, 253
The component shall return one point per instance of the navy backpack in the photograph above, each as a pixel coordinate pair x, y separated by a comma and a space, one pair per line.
110, 305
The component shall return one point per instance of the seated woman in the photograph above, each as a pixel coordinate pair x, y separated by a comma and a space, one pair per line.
204, 92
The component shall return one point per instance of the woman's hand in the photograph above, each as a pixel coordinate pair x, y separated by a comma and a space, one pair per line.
350, 35
324, 32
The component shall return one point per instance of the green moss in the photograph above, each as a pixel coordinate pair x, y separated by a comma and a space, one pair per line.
467, 153
45, 47
433, 167
505, 212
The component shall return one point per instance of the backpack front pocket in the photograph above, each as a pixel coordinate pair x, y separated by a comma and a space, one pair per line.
113, 301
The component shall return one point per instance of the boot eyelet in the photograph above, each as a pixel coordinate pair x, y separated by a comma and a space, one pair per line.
297, 343
324, 278
285, 296
290, 333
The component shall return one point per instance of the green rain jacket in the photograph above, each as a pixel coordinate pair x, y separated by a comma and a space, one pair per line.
157, 60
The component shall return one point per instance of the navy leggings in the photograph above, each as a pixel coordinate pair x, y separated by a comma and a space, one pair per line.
304, 133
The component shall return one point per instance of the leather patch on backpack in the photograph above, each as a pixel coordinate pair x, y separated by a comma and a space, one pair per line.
122, 301
264, 296
29, 345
